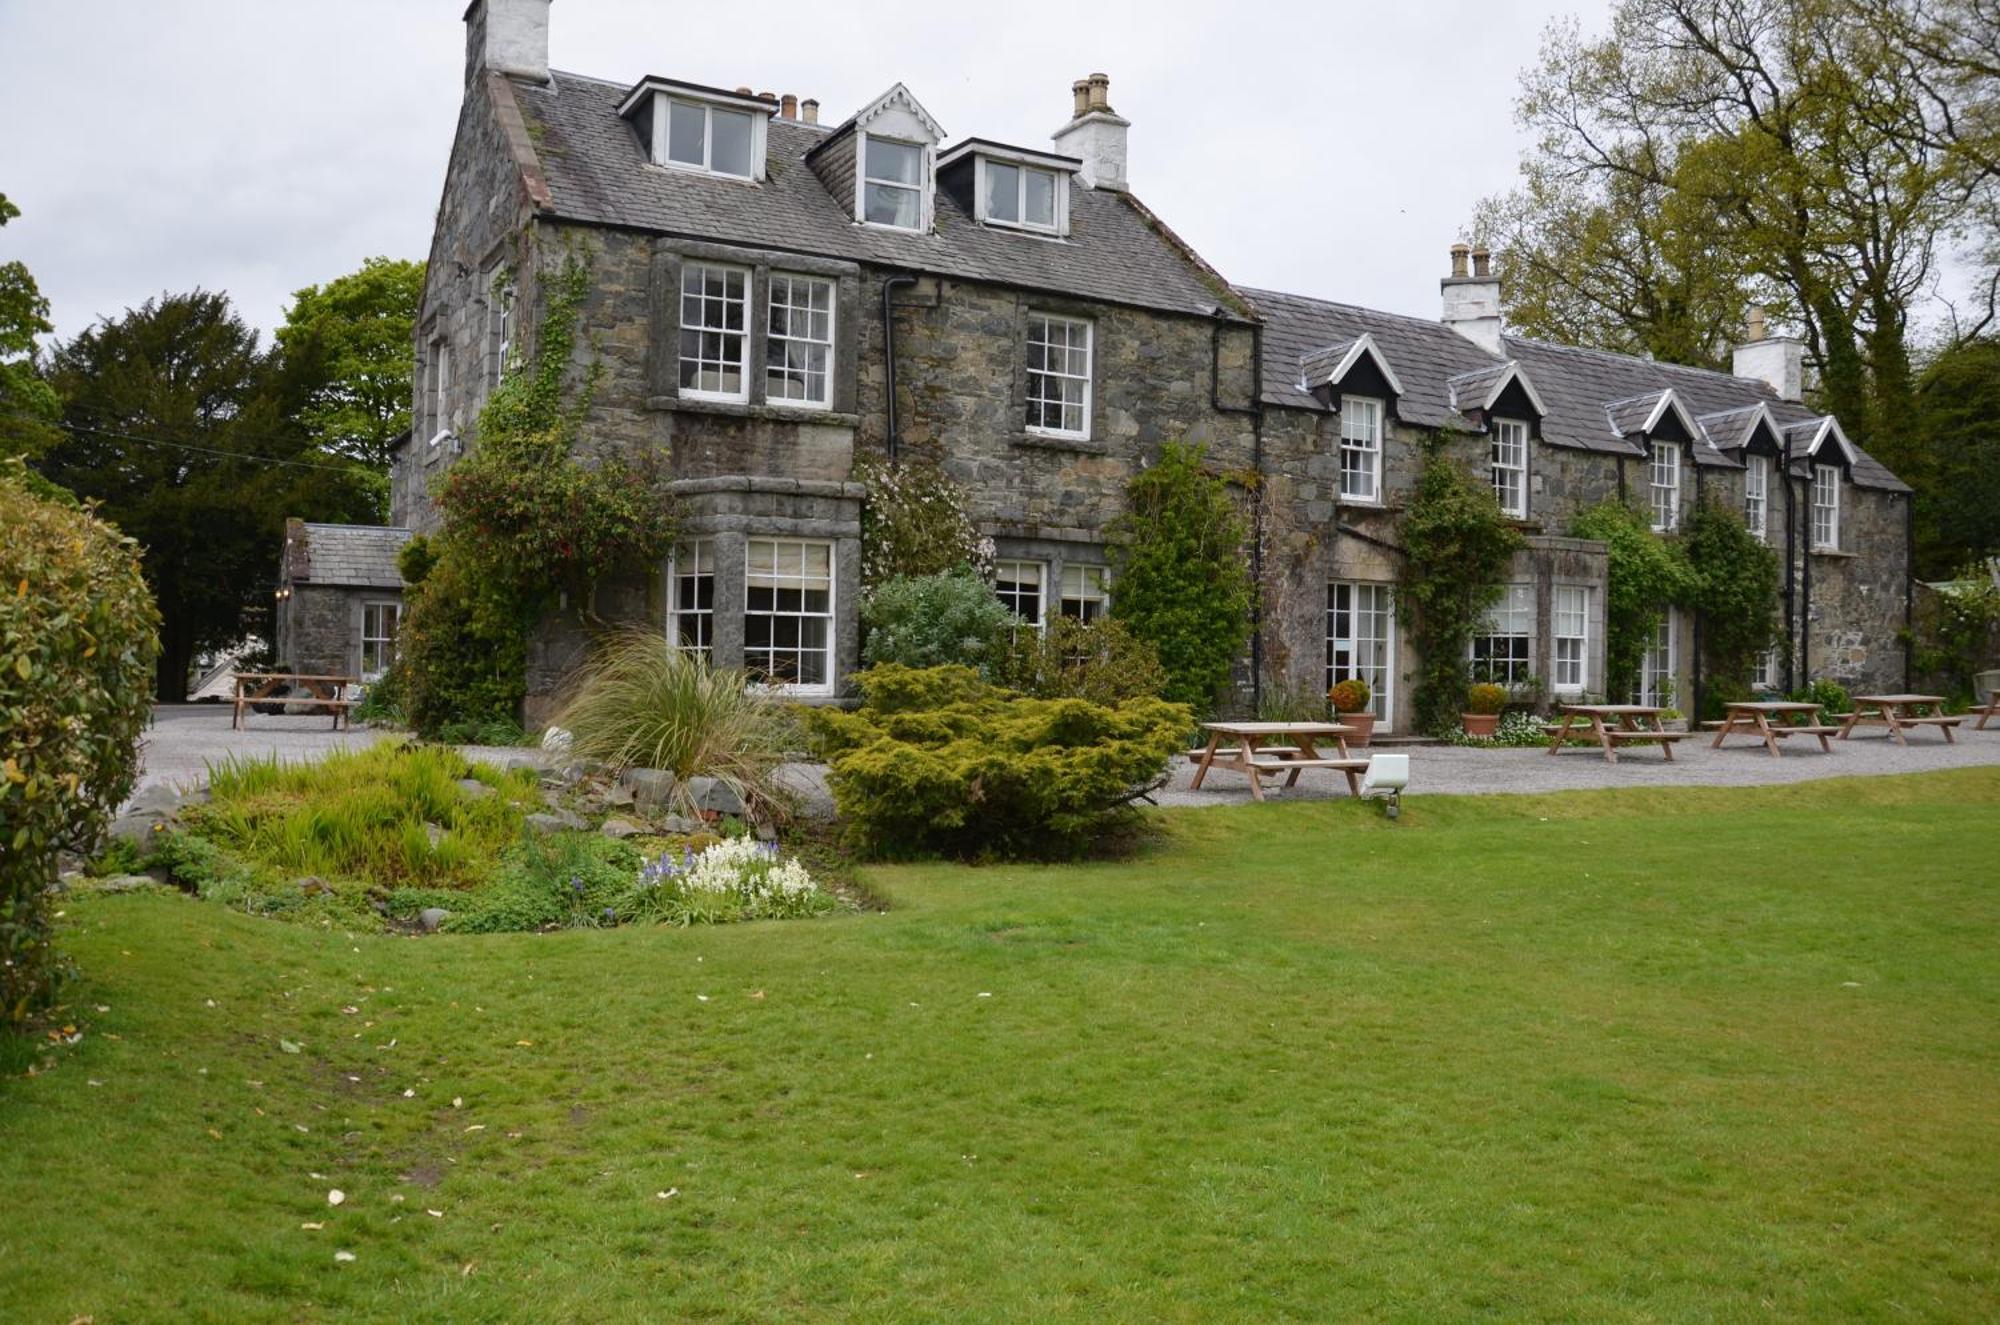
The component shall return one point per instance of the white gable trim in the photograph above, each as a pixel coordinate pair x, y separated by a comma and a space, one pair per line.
1515, 373
1363, 344
1830, 427
900, 98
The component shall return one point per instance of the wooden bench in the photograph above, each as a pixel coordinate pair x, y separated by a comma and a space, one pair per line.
1236, 751
1943, 722
1351, 768
282, 690
1620, 735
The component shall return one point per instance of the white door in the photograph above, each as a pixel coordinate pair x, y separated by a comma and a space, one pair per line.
1361, 641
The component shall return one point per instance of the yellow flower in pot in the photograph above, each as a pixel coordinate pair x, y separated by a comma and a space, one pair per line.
1350, 704
1483, 703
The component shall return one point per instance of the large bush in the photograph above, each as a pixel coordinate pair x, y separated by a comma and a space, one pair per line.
1183, 581
935, 620
639, 702
914, 521
1100, 661
1457, 546
1646, 575
937, 761
1733, 576
78, 641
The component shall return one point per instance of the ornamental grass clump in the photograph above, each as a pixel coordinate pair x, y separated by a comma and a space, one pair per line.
642, 703
938, 762
736, 879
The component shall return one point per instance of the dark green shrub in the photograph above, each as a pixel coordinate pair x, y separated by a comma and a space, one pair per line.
78, 643
1734, 582
1646, 575
937, 761
1831, 696
1100, 661
1183, 580
914, 521
462, 651
558, 881
935, 620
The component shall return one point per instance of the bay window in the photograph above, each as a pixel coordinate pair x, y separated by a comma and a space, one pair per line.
1569, 623
692, 577
1018, 584
1500, 651
788, 613
798, 346
1086, 591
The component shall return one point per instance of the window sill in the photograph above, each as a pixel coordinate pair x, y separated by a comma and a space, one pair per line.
739, 409
1838, 554
1040, 441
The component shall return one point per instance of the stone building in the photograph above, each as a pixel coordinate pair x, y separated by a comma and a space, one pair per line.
771, 298
339, 599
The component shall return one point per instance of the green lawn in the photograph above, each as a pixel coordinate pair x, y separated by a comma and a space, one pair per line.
1627, 1056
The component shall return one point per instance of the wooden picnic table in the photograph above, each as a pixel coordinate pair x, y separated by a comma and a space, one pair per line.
329, 692
1753, 717
1255, 756
1613, 725
1991, 710
1900, 713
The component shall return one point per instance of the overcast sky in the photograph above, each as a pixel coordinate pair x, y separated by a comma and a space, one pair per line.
255, 146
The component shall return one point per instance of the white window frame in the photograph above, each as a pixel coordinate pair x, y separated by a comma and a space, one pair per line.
1826, 508
1088, 586
983, 195
437, 388
829, 617
1361, 442
1372, 603
1757, 496
1764, 671
1047, 322
863, 180
499, 325
1569, 632
692, 561
1012, 570
663, 129
1663, 485
387, 652
1662, 652
742, 332
776, 341
1512, 618
1509, 467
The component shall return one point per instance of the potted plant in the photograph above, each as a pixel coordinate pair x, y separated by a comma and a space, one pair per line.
1483, 703
1350, 704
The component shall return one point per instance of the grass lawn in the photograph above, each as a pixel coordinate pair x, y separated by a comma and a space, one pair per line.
1713, 1054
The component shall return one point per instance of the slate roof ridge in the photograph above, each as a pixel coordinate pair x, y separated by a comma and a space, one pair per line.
1667, 365
1254, 293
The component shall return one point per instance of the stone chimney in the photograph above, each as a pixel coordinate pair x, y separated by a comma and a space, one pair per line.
788, 107
1472, 301
1095, 134
507, 37
1778, 360
809, 109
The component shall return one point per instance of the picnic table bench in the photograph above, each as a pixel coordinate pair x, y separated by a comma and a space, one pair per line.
1754, 718
1609, 726
1900, 713
327, 692
1991, 710
1256, 760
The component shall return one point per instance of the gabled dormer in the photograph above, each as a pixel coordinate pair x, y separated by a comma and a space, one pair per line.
1350, 367
1753, 437
1503, 401
1016, 188
685, 126
884, 158
1660, 426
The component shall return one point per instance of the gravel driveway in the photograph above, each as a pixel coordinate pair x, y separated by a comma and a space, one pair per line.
185, 738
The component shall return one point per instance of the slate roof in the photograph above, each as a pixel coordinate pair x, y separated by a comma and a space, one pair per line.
597, 172
1577, 385
359, 555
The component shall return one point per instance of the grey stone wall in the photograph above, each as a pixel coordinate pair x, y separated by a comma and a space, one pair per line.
319, 627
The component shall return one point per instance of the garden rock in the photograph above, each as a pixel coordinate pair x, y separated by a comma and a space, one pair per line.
621, 828
619, 795
560, 821
313, 886
556, 741
158, 800
434, 833
431, 917
125, 883
138, 829
767, 832
474, 789
679, 823
650, 787
713, 795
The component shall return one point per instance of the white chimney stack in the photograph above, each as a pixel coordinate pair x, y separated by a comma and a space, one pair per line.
1472, 300
1778, 360
1095, 134
507, 37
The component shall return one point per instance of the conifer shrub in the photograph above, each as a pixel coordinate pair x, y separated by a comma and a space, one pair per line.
78, 643
939, 762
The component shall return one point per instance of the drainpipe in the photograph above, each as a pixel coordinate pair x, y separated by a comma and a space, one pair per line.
1805, 595
1909, 583
1255, 410
1694, 708
1791, 563
889, 288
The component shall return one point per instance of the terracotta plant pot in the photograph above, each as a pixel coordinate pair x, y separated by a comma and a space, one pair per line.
1480, 724
1363, 724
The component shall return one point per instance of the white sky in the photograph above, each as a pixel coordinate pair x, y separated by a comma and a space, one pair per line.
255, 146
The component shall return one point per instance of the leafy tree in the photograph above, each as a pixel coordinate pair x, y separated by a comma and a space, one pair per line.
1733, 578
1456, 547
29, 410
345, 350
1183, 582
1958, 420
175, 426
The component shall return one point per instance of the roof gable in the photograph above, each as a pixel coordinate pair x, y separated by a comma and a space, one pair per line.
1483, 389
1331, 365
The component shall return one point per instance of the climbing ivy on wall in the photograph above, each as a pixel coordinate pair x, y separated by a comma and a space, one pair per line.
525, 519
1733, 578
1647, 574
1456, 547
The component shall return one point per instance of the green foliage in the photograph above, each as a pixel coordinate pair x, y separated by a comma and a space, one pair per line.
1647, 573
1101, 661
1456, 548
1958, 477
1733, 578
641, 703
1831, 696
1956, 630
1183, 579
914, 522
345, 347
933, 620
1277, 703
177, 426
462, 650
29, 407
416, 559
1349, 696
937, 761
488, 731
735, 879
561, 881
77, 648
1485, 697
1518, 730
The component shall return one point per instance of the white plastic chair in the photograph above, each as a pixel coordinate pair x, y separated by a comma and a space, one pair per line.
1385, 779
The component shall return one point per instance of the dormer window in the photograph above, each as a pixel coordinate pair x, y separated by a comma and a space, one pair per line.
708, 138
1013, 187
892, 183
684, 126
1020, 195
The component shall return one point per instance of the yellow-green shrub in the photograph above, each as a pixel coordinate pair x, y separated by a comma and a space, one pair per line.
938, 761
78, 642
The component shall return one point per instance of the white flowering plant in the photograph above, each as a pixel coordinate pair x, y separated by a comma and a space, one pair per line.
738, 878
